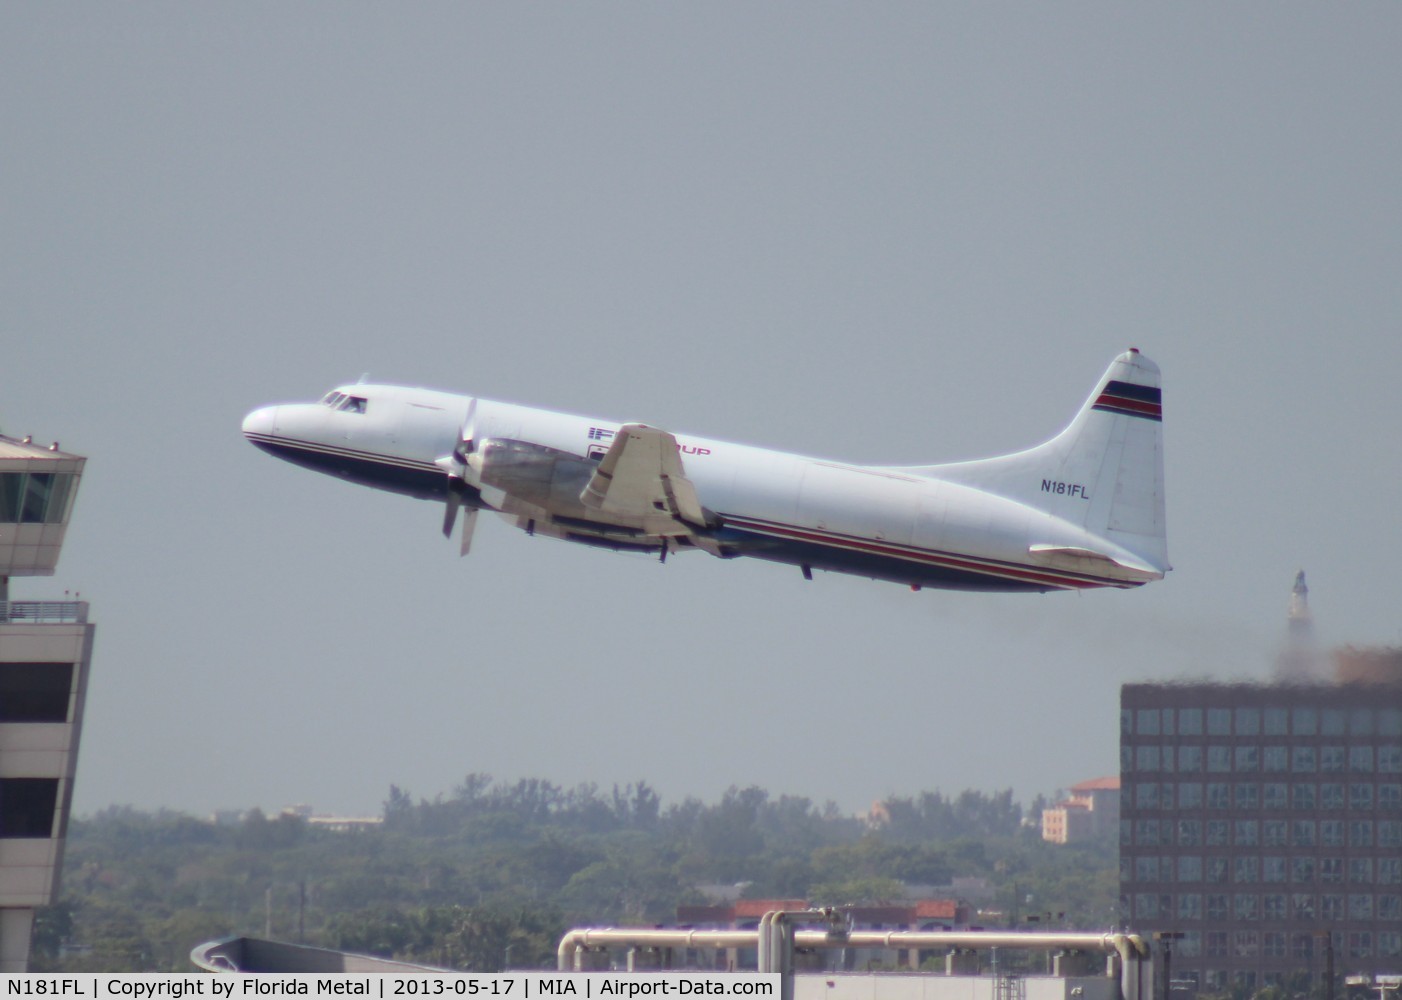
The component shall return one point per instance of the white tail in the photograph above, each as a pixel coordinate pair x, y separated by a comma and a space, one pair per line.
1103, 473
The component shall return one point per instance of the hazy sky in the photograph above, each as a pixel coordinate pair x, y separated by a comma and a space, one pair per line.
895, 233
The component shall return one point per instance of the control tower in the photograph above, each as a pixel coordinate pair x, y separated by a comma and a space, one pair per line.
45, 652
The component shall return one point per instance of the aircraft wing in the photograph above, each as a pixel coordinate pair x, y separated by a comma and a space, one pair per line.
641, 476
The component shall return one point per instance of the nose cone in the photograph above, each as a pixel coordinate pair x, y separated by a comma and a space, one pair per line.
261, 424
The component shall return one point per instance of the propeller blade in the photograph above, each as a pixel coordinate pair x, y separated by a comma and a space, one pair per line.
469, 524
450, 510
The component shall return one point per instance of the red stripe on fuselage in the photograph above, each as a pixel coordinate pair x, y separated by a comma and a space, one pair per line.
993, 568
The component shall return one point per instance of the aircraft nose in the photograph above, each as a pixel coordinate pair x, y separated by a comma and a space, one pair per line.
261, 423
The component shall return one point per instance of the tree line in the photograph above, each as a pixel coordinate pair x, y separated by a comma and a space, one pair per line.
493, 873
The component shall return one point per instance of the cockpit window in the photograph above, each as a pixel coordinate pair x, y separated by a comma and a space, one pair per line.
353, 404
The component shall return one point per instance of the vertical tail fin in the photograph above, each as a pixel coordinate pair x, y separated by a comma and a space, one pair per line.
1103, 473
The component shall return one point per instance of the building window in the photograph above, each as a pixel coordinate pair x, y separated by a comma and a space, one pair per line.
27, 806
1360, 796
1217, 870
1189, 759
1146, 759
1189, 906
1219, 722
1246, 833
1273, 942
1274, 833
1248, 722
1216, 906
1146, 906
1331, 870
1275, 795
1302, 833
1190, 868
1246, 871
1331, 795
1146, 869
1277, 722
1389, 871
1331, 760
1147, 723
1360, 722
1273, 906
1389, 944
1303, 797
35, 692
1360, 906
1248, 758
1248, 795
1190, 722
1390, 722
1360, 833
1304, 760
1360, 871
1189, 833
1360, 944
1190, 795
1275, 759
1389, 833
1332, 722
1302, 906
1305, 721
1331, 906
1217, 830
1218, 795
1273, 869
1302, 870
1245, 944
1390, 758
1331, 832
1389, 906
1216, 943
1301, 945
1219, 759
1390, 797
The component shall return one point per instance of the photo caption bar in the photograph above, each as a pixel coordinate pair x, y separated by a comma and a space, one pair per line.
234, 985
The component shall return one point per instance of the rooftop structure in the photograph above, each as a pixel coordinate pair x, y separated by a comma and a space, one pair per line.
1091, 810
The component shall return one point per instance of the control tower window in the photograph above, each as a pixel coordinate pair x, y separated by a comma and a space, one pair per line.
34, 497
27, 807
35, 692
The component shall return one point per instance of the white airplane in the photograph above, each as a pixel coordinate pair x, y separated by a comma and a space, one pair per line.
1084, 510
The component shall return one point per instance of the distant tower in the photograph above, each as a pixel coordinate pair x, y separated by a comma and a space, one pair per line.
1301, 621
1299, 661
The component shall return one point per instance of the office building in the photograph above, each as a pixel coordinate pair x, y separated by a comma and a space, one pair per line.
1263, 823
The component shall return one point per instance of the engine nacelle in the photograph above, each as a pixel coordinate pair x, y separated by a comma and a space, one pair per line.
534, 474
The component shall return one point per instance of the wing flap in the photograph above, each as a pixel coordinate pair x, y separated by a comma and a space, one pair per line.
641, 476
